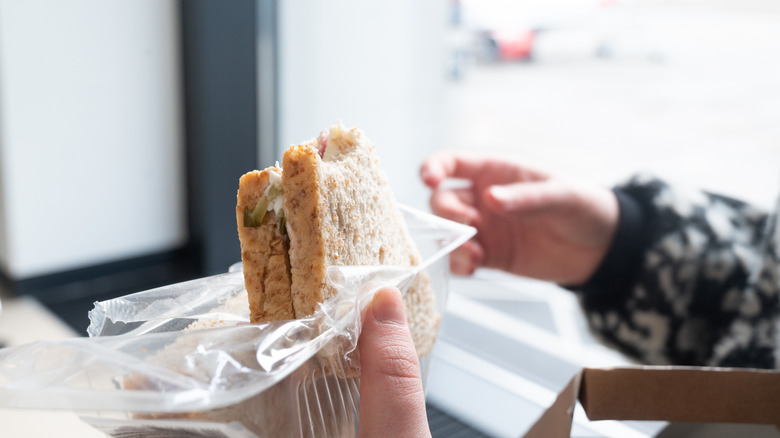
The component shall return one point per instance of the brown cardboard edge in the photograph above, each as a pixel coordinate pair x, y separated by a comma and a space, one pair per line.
689, 394
556, 420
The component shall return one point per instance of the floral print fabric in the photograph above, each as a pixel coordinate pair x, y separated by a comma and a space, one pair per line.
705, 291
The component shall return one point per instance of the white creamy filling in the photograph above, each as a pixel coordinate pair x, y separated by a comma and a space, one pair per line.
274, 177
277, 203
339, 140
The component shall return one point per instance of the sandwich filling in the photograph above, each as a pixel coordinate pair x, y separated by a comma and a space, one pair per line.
271, 200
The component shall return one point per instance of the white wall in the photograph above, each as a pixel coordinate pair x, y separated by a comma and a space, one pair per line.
373, 64
90, 133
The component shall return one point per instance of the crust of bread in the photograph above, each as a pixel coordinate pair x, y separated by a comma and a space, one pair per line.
341, 211
421, 313
264, 252
303, 206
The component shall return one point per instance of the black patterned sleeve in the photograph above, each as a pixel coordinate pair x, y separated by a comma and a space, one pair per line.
691, 279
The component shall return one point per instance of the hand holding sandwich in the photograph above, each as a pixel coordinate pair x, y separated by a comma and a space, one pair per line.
529, 222
392, 402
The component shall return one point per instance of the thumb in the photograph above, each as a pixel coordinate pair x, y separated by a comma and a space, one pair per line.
527, 197
392, 402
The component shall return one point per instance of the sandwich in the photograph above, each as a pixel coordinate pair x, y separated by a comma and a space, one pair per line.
329, 204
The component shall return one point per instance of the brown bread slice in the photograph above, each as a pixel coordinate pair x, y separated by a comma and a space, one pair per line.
341, 211
264, 252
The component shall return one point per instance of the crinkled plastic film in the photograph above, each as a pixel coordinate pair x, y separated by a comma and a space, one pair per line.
187, 351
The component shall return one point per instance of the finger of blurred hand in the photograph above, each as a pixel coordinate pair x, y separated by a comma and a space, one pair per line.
443, 165
465, 259
455, 204
392, 402
527, 197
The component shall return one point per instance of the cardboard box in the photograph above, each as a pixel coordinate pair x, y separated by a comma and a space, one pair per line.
675, 394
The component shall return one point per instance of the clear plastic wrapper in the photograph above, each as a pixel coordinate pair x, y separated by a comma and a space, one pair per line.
185, 355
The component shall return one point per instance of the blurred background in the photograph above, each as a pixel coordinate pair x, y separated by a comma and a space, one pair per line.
125, 125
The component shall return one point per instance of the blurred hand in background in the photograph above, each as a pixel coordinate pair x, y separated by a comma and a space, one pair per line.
529, 222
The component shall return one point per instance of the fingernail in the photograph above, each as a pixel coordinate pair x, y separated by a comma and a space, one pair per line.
500, 193
388, 307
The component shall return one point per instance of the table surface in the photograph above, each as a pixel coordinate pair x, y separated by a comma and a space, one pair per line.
24, 320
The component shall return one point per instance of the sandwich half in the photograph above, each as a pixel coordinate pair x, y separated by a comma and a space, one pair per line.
329, 205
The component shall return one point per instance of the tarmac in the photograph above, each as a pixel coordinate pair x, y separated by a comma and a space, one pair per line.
688, 92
